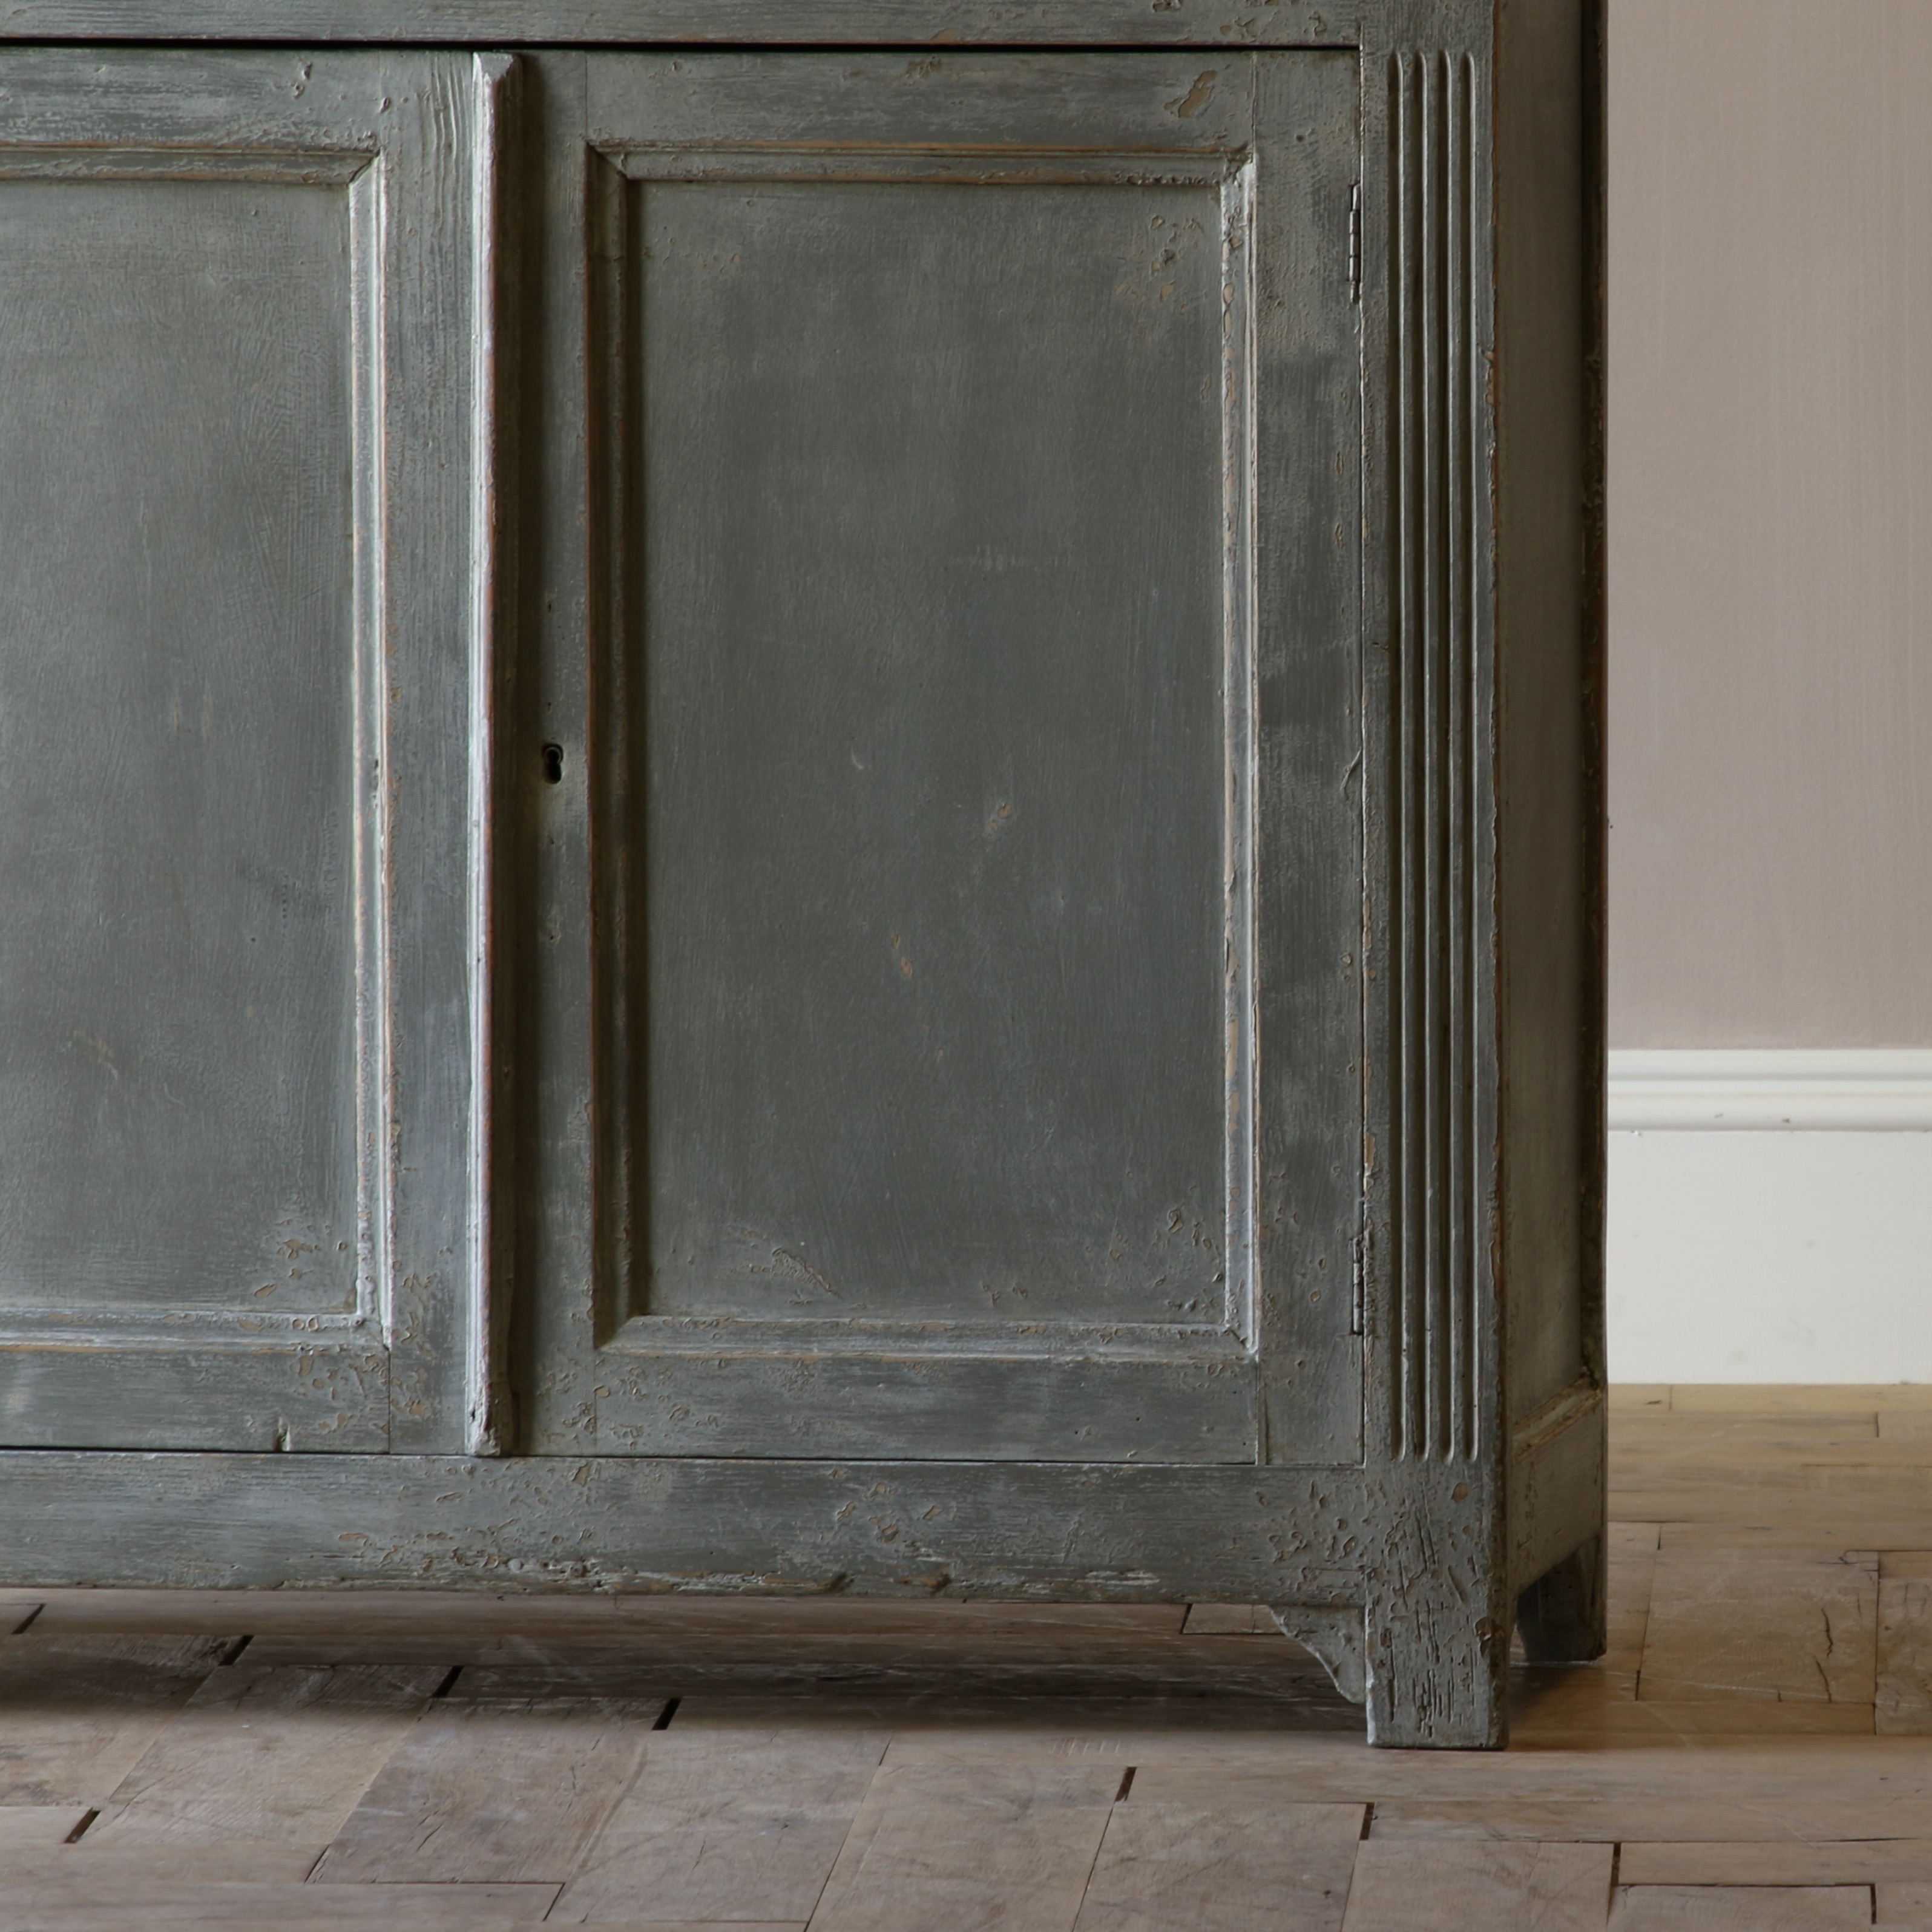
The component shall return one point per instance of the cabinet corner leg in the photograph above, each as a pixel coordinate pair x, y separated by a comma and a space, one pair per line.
1438, 1672
1561, 1614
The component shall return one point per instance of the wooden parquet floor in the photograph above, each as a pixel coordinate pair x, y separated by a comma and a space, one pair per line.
1755, 1753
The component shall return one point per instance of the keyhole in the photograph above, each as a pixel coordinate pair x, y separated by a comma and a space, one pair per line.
553, 764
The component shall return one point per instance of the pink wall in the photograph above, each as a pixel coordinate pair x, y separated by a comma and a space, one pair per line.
1770, 376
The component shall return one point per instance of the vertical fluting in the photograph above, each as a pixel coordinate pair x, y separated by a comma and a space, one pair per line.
1436, 398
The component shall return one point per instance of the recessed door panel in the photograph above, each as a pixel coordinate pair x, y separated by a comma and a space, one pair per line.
932, 664
236, 300
178, 793
934, 602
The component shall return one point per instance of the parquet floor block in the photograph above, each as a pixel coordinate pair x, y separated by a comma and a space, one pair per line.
36, 1827
268, 1756
77, 1712
40, 1907
1408, 1886
494, 1789
1678, 1908
728, 1821
1214, 1868
1790, 1627
1861, 1861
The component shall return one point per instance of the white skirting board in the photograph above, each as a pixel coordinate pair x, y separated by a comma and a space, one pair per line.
1770, 1216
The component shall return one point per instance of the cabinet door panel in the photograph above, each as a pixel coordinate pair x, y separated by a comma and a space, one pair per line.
176, 747
934, 938
929, 787
217, 594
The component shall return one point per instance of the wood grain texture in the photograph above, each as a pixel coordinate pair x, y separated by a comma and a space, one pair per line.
1178, 1405
1835, 1399
93, 1905
25, 1827
1855, 1539
1903, 1426
1833, 1782
1219, 1871
1011, 1848
1610, 1819
1577, 1716
1676, 1437
1904, 1690
1898, 1860
731, 1821
997, 1728
1742, 1624
493, 1789
1632, 1559
76, 1712
1908, 1904
224, 1770
1400, 1886
150, 1863
1865, 1506
195, 1911
1667, 1908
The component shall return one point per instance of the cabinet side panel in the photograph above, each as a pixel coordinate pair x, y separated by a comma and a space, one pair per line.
1548, 775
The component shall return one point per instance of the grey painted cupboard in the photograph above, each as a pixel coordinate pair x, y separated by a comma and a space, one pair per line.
802, 795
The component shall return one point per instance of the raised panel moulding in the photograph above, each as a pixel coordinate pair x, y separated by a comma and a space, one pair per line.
1439, 798
1688, 1089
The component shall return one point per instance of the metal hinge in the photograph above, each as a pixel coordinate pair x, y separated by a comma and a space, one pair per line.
1355, 242
1357, 1285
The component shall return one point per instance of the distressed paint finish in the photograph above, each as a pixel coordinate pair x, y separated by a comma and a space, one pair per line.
1437, 1602
240, 646
941, 23
1393, 1426
1455, 530
1108, 1531
969, 783
1298, 1539
885, 870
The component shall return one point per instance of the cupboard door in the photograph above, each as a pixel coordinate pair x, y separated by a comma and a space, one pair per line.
242, 588
974, 504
